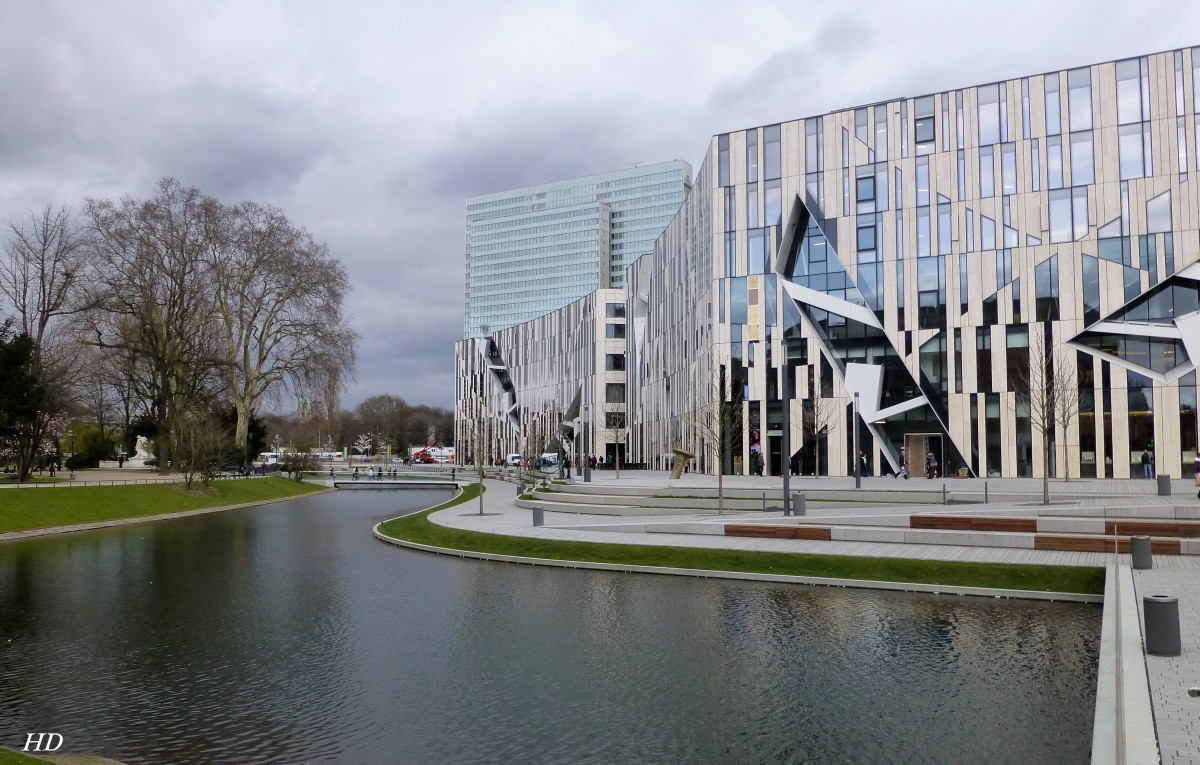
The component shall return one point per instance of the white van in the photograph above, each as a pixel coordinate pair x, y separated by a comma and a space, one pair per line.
514, 460
550, 458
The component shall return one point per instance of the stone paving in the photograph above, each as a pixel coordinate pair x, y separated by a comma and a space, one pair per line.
1176, 714
502, 516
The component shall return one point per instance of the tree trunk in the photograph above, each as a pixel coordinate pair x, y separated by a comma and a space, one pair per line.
241, 436
1045, 467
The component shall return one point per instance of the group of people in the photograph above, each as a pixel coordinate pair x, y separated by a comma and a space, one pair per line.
372, 473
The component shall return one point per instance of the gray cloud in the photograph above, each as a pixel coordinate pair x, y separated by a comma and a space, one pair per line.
371, 125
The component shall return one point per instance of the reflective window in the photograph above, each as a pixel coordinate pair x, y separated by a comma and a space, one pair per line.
925, 129
944, 229
1082, 169
614, 362
1053, 110
1091, 290
987, 233
860, 125
752, 155
922, 232
1035, 161
1060, 216
1079, 98
1054, 162
1130, 145
987, 172
774, 203
723, 160
1046, 289
613, 331
865, 238
614, 310
1158, 213
922, 181
865, 189
989, 114
752, 205
1129, 91
881, 133
771, 153
614, 393
1008, 168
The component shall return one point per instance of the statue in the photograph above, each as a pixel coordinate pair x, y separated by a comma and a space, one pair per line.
142, 449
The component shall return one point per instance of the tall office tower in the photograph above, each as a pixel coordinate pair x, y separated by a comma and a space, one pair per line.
532, 250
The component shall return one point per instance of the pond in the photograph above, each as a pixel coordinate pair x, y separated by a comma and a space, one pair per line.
288, 634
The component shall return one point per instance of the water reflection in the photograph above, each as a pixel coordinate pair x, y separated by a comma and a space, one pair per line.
287, 634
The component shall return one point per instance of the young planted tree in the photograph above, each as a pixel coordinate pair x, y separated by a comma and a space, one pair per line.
613, 429
1047, 385
715, 417
816, 416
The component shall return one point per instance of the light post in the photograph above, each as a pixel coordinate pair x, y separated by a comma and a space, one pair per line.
854, 425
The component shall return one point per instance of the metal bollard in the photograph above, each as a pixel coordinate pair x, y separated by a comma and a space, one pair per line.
798, 503
539, 515
764, 502
1162, 625
1142, 557
985, 493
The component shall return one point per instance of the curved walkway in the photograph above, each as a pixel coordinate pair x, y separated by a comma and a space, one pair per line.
503, 516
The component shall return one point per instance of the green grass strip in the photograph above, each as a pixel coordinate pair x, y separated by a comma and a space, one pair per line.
1074, 579
24, 509
10, 757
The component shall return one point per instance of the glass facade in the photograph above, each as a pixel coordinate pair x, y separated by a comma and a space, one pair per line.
530, 251
934, 261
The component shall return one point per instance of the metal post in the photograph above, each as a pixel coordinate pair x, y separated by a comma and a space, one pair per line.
786, 467
985, 493
943, 494
587, 446
854, 427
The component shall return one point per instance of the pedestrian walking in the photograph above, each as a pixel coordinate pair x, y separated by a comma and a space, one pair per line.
931, 465
1147, 461
863, 470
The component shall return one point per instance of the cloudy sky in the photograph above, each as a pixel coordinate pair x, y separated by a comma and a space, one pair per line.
369, 123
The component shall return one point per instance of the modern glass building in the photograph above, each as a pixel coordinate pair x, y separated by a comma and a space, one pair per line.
1001, 279
532, 250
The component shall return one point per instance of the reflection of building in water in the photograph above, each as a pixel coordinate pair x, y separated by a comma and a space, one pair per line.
917, 253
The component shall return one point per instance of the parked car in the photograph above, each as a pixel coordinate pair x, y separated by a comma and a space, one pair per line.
550, 458
514, 460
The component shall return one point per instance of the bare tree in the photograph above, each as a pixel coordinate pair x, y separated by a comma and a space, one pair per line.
201, 443
815, 416
150, 296
278, 297
1047, 385
613, 429
716, 415
39, 279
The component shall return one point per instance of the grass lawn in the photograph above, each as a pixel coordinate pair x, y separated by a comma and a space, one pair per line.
10, 757
417, 528
23, 509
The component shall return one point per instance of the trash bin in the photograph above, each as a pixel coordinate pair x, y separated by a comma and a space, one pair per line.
539, 516
798, 503
1142, 557
1162, 625
1164, 486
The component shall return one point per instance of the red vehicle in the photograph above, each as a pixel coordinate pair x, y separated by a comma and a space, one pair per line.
424, 456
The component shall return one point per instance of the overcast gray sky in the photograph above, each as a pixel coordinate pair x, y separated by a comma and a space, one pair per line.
369, 123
